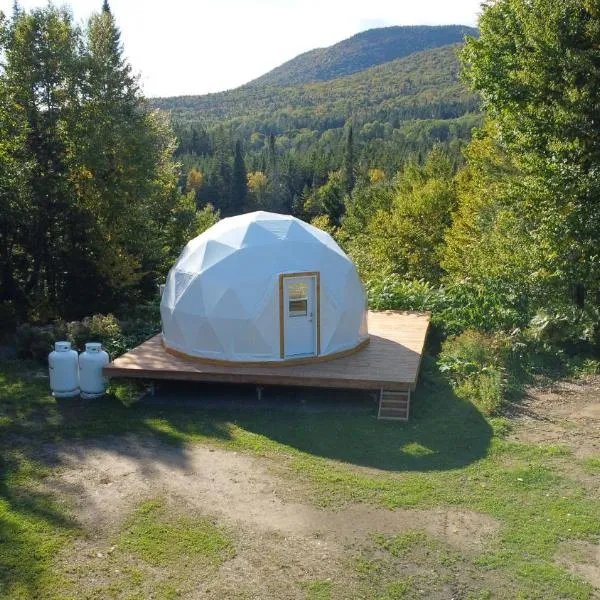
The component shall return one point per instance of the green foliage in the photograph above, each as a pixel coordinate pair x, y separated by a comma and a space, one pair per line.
408, 238
395, 293
87, 181
455, 307
116, 336
97, 328
34, 342
476, 365
328, 200
535, 66
555, 328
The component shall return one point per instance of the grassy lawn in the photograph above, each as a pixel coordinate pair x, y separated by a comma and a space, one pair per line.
449, 455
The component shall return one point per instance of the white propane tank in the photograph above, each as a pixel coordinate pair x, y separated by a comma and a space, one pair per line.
92, 382
62, 363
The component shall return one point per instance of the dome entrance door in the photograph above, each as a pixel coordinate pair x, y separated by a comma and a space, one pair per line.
300, 314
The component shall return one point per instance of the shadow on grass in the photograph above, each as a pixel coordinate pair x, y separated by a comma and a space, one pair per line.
443, 433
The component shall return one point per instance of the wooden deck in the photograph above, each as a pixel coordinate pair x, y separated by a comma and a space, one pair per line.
390, 361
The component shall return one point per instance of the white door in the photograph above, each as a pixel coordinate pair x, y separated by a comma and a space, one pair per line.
300, 332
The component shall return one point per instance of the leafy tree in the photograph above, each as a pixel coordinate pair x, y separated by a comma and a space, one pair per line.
39, 89
408, 237
257, 189
87, 181
327, 200
185, 223
489, 246
195, 181
537, 69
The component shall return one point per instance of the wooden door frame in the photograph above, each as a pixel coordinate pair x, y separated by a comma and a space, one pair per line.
282, 278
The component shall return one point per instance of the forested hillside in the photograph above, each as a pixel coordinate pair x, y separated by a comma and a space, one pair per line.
397, 111
361, 51
424, 85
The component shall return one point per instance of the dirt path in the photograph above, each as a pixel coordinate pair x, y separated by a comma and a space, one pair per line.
278, 541
108, 482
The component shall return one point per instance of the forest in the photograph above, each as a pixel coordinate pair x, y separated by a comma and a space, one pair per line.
461, 178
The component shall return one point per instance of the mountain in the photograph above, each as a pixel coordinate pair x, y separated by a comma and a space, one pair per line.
399, 107
424, 85
361, 51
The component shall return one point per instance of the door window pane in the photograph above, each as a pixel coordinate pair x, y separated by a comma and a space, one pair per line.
298, 308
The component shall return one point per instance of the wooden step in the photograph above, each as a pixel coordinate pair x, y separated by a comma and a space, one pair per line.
394, 405
390, 404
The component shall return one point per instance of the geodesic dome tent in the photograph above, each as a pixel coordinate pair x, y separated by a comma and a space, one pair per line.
263, 287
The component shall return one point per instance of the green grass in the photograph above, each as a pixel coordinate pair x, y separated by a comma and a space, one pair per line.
318, 590
592, 464
160, 539
449, 454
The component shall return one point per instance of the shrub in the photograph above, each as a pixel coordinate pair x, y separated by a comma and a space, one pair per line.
455, 308
34, 342
98, 328
141, 325
567, 326
115, 336
486, 307
395, 293
476, 365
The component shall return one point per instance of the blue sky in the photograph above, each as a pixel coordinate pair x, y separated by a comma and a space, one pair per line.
194, 47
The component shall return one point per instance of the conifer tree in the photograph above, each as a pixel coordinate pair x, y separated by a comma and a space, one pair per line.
239, 183
348, 162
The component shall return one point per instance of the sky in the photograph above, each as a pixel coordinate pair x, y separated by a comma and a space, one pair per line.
183, 47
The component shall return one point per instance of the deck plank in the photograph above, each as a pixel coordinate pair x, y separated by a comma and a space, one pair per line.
392, 361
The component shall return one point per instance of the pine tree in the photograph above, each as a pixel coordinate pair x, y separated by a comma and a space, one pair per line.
127, 149
348, 162
239, 183
273, 174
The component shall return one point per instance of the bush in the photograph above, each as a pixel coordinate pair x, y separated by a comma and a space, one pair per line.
141, 325
569, 326
98, 328
476, 364
116, 337
34, 342
395, 293
455, 308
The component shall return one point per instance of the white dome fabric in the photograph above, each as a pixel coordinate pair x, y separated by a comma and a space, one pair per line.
222, 296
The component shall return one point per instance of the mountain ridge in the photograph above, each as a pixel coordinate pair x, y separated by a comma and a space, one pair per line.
368, 48
361, 51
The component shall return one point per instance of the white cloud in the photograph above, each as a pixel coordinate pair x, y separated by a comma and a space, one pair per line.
187, 47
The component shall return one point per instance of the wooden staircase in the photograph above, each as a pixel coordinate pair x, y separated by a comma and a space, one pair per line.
394, 405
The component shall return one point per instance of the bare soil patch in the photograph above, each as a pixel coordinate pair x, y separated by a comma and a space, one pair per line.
278, 540
107, 481
581, 558
566, 413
